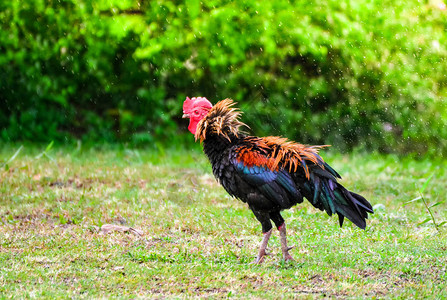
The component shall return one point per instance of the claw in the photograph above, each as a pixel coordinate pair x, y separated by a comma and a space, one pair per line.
257, 261
260, 258
288, 257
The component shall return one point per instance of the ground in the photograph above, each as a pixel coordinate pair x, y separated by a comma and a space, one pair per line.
190, 238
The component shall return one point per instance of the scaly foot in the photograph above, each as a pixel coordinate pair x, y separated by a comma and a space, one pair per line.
283, 237
261, 253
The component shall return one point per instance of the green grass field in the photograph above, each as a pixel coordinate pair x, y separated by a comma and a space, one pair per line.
197, 241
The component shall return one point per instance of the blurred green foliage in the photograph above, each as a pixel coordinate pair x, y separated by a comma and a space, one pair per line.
347, 73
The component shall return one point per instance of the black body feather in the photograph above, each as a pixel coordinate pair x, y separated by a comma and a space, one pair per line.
271, 174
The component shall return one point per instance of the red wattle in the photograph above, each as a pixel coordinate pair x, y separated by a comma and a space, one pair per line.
192, 126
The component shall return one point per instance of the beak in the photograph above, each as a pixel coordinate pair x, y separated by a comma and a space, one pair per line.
185, 116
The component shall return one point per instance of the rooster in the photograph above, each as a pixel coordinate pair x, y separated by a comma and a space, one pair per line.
270, 174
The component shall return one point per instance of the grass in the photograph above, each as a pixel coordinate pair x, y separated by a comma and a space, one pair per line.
197, 241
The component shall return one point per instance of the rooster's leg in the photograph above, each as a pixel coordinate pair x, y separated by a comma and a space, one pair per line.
285, 249
261, 253
281, 225
264, 219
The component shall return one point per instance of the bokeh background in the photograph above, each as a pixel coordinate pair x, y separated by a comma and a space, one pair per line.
355, 74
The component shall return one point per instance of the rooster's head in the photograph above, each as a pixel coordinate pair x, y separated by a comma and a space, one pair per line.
195, 109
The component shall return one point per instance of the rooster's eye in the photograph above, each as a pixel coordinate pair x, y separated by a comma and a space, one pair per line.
196, 112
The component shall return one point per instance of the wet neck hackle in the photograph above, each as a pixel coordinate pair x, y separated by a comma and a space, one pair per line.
222, 120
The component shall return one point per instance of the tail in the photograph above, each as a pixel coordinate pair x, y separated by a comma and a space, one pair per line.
325, 193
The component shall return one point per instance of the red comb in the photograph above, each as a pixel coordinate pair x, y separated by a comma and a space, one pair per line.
189, 104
